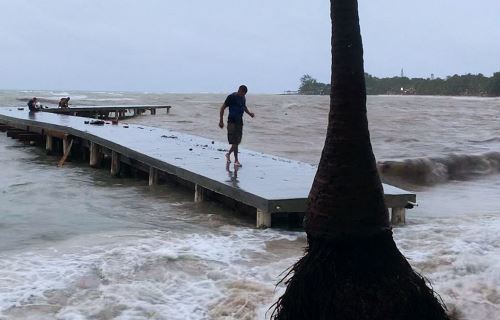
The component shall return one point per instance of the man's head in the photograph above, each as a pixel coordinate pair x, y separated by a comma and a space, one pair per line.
35, 99
67, 99
242, 90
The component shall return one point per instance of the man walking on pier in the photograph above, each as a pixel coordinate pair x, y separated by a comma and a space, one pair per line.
236, 103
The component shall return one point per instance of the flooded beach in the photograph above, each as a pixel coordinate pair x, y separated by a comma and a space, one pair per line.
78, 244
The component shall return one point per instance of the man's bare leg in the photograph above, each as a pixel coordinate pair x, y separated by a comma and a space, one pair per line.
236, 162
228, 154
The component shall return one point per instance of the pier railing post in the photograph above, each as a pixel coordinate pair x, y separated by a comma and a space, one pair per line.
153, 176
115, 164
263, 219
398, 216
95, 155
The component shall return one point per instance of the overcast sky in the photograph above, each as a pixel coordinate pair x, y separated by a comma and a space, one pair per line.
213, 46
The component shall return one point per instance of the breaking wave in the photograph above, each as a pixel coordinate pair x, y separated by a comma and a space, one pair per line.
431, 171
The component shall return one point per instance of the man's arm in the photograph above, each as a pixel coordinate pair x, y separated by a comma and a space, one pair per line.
251, 114
221, 120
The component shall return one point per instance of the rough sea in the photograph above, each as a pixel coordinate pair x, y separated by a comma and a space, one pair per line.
78, 244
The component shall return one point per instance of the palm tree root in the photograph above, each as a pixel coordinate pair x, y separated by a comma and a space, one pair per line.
356, 278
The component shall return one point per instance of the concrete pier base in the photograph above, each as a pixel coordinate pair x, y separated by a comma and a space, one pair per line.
263, 219
115, 164
398, 216
200, 193
153, 176
66, 142
95, 155
49, 144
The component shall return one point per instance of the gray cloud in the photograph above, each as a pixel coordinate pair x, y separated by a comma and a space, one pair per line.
213, 46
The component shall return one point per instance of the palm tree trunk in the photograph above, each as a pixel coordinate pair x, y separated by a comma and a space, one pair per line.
347, 195
352, 268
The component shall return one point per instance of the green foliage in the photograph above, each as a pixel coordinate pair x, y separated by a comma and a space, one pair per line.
456, 85
494, 85
309, 85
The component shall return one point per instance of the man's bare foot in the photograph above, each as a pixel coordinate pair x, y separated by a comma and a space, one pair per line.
228, 158
237, 164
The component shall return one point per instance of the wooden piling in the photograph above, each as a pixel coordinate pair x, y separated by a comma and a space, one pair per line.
49, 144
66, 153
398, 216
95, 155
199, 193
263, 219
66, 143
115, 164
153, 176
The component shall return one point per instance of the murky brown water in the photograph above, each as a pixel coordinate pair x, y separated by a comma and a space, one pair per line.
76, 244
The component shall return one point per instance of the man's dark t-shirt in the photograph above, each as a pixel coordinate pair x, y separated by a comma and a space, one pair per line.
237, 105
32, 104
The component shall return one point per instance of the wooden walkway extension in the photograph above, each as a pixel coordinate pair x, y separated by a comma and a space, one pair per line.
104, 112
274, 187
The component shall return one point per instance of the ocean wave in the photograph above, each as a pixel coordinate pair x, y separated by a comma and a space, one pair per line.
490, 140
109, 99
431, 171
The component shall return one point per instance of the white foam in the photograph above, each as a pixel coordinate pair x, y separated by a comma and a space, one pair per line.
461, 257
146, 274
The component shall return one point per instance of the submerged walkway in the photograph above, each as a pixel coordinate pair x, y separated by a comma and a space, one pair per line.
272, 185
118, 111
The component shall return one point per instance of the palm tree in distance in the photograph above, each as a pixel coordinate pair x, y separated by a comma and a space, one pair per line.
352, 268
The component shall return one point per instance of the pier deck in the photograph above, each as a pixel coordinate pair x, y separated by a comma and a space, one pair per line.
118, 111
270, 184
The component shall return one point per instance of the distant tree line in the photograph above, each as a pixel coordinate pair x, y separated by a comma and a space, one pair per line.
463, 85
309, 85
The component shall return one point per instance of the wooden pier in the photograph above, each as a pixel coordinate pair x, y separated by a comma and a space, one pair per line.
108, 112
273, 187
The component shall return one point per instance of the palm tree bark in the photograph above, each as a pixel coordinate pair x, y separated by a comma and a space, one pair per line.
352, 268
347, 195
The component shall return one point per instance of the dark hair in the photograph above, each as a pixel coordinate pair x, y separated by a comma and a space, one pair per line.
243, 88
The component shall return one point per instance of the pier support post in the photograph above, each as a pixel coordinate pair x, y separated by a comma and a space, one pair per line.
49, 144
263, 219
153, 176
66, 145
153, 111
200, 193
115, 164
168, 109
398, 216
95, 155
